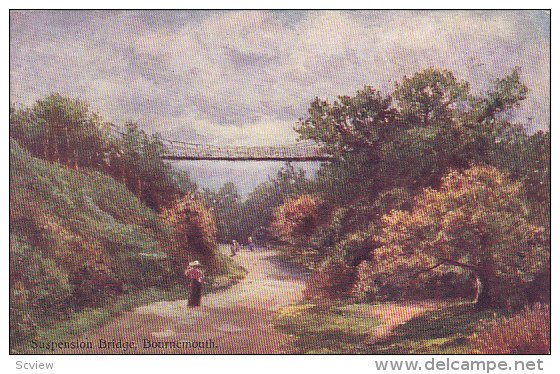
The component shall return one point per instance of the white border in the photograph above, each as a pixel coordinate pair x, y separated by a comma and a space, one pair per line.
248, 364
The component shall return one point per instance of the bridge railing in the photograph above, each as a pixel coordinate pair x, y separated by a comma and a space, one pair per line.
179, 150
185, 150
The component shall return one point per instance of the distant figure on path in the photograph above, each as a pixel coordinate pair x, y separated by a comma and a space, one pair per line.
196, 277
234, 246
251, 244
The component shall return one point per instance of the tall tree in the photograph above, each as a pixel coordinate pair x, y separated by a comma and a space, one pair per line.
227, 209
61, 129
138, 161
353, 130
430, 97
478, 221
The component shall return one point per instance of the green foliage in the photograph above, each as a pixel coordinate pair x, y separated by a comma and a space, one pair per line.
257, 210
355, 123
419, 156
527, 158
478, 221
79, 241
136, 159
39, 290
430, 97
238, 219
352, 130
65, 130
507, 94
385, 154
344, 233
327, 329
61, 129
226, 205
77, 237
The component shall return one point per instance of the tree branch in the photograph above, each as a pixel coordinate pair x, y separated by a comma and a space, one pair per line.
459, 264
428, 269
446, 261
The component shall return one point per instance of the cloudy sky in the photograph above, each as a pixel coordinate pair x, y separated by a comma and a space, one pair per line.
246, 77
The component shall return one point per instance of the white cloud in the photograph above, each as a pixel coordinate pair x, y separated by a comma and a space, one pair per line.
245, 77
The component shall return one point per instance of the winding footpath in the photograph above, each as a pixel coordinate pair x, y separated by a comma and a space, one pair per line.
237, 320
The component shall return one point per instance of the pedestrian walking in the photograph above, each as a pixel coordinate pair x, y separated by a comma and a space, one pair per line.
233, 247
196, 277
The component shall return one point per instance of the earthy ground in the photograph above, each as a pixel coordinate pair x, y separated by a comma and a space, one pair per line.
394, 315
236, 320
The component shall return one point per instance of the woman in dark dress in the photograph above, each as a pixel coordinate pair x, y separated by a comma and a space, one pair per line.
196, 277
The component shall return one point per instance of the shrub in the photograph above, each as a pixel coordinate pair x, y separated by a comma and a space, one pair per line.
39, 290
444, 283
476, 221
333, 280
527, 332
195, 231
297, 219
357, 246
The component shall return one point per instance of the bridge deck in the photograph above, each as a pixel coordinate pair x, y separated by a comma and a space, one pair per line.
300, 152
247, 158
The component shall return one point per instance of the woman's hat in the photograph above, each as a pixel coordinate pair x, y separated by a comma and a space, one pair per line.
194, 263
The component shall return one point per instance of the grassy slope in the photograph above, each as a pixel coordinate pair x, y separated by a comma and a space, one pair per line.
322, 329
63, 220
83, 219
443, 331
349, 328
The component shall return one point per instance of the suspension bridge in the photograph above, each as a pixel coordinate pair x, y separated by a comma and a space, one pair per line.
179, 150
301, 152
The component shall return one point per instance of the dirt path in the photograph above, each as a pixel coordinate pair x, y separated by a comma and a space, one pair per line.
235, 320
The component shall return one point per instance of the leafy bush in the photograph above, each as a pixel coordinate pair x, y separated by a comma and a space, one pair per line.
195, 231
477, 221
297, 218
333, 280
527, 332
40, 288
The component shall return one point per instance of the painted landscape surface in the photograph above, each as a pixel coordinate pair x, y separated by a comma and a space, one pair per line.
333, 182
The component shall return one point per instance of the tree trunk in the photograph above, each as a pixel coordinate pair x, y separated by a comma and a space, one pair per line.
67, 145
483, 298
46, 144
139, 187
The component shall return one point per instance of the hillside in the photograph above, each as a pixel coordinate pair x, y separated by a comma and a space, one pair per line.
77, 238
